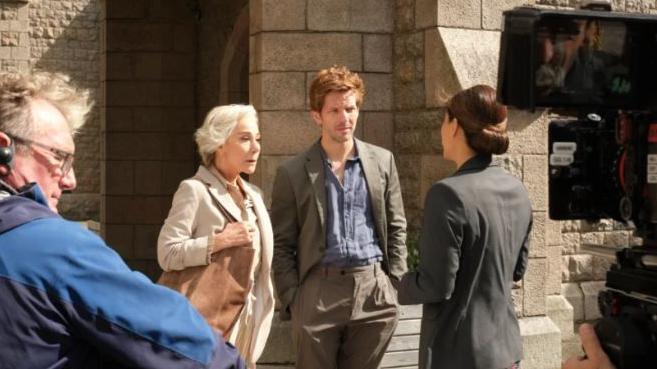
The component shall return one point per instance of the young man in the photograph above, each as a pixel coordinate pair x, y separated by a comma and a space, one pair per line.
66, 299
339, 235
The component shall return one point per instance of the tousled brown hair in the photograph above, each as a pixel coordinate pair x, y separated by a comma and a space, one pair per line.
482, 118
336, 78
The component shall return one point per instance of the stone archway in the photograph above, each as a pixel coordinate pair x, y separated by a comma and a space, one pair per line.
234, 67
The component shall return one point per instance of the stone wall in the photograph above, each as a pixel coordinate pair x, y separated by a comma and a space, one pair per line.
290, 41
439, 48
149, 118
61, 36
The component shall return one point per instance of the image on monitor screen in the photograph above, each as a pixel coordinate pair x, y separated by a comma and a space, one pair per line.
582, 61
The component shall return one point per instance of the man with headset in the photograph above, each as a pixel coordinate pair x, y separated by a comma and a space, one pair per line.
66, 298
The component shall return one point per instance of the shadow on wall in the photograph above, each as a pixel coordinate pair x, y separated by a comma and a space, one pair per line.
65, 37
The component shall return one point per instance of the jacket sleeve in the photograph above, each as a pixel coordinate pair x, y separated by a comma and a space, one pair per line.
521, 263
177, 246
396, 227
285, 224
121, 313
440, 249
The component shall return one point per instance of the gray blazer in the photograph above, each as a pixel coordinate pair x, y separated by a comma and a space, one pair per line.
474, 242
298, 213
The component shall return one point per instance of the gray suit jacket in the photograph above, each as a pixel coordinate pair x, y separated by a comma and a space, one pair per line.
298, 213
474, 242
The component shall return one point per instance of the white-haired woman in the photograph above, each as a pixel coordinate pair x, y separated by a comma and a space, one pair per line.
229, 144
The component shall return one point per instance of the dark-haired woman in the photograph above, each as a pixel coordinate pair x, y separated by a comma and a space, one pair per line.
473, 244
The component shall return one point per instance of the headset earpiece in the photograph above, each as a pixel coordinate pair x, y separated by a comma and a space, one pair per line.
7, 155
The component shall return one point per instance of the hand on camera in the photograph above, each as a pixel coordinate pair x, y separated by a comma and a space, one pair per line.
233, 235
595, 356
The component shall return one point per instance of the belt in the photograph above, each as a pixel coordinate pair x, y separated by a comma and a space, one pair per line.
327, 271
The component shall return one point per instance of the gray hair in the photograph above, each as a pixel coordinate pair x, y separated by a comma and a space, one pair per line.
18, 90
217, 126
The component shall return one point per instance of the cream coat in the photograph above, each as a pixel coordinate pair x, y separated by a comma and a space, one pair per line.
188, 233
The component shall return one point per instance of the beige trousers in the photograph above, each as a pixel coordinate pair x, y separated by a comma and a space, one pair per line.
344, 318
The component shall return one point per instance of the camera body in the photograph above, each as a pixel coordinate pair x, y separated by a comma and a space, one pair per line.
600, 67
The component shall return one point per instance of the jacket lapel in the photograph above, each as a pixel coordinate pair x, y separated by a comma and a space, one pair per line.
315, 170
374, 184
218, 191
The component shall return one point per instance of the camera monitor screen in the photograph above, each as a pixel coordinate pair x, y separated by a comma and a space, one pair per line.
557, 58
583, 61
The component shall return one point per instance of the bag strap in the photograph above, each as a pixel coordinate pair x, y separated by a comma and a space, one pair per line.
222, 209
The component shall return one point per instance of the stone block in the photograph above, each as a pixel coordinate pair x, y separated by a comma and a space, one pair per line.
307, 52
145, 244
571, 347
571, 243
553, 283
409, 96
278, 91
120, 238
118, 66
601, 267
137, 210
352, 16
139, 36
277, 15
160, 177
593, 238
287, 133
537, 247
541, 343
616, 239
560, 312
378, 128
265, 174
279, 348
379, 91
591, 290
150, 93
577, 268
165, 119
527, 132
118, 178
553, 235
20, 53
183, 38
491, 16
404, 15
534, 287
126, 9
459, 13
573, 293
163, 66
511, 163
426, 13
432, 169
535, 178
377, 53
458, 58
79, 206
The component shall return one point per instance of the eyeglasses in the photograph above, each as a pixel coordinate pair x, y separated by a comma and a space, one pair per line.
66, 158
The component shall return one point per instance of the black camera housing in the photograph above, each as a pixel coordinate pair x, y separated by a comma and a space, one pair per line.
602, 162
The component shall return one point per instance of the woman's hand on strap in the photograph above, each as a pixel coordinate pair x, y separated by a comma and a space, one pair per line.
233, 235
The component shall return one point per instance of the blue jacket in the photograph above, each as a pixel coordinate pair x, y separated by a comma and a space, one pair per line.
67, 300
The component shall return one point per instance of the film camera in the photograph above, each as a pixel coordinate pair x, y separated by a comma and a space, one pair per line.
601, 68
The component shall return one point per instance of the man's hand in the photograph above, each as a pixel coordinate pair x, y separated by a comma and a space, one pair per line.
595, 356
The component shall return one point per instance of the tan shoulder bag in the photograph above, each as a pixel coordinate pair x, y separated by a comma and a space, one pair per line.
218, 290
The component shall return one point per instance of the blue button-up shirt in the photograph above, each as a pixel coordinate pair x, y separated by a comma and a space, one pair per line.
351, 238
